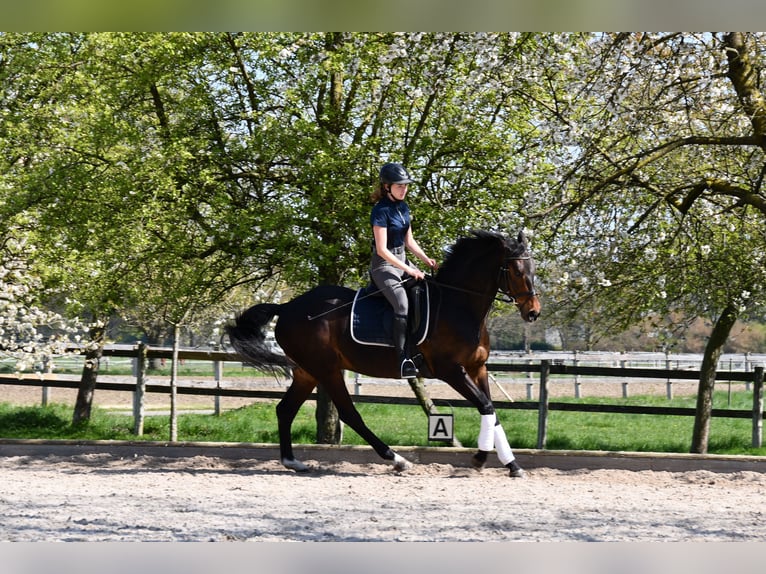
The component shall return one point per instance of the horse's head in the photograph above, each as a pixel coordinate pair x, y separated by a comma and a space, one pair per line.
517, 278
483, 252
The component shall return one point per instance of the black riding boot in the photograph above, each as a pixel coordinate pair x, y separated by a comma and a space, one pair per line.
407, 369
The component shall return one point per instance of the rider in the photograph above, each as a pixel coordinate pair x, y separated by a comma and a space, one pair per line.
389, 269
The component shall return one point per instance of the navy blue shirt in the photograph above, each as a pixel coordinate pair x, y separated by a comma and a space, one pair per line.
395, 217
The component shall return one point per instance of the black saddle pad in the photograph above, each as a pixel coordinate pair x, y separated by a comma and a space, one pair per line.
371, 317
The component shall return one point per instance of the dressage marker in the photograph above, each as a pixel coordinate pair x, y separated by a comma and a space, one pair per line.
441, 428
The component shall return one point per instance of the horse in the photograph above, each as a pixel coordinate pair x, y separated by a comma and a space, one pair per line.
313, 330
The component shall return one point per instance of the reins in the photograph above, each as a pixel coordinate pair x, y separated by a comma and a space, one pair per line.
431, 279
342, 305
505, 297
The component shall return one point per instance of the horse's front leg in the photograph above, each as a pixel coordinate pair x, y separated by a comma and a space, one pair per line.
491, 434
481, 380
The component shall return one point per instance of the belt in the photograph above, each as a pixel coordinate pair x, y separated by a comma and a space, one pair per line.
395, 250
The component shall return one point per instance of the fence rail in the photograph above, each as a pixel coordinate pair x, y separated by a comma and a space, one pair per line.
545, 368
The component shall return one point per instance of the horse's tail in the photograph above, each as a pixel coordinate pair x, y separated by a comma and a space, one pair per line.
248, 337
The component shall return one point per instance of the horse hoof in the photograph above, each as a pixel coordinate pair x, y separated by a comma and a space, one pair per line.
401, 463
295, 465
515, 471
479, 460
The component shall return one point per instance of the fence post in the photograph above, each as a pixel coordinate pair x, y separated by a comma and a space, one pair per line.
542, 411
669, 383
140, 392
529, 382
624, 382
577, 383
758, 407
217, 375
47, 369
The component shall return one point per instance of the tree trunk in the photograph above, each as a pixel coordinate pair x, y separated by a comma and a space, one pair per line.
84, 403
713, 350
329, 428
745, 79
417, 386
156, 336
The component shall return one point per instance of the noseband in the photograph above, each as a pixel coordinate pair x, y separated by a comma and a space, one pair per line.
505, 284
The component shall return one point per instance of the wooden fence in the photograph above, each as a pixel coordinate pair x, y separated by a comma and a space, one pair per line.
545, 368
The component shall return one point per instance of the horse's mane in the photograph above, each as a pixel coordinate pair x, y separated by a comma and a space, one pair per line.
479, 242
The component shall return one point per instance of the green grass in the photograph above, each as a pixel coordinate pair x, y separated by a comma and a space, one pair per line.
405, 425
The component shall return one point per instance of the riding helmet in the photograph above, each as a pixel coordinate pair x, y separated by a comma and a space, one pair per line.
394, 173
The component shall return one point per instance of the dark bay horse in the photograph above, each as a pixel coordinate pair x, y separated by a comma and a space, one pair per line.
314, 332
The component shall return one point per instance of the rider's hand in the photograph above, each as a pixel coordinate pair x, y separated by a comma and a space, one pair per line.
416, 273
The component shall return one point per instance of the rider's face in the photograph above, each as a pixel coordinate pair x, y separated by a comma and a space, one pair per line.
399, 190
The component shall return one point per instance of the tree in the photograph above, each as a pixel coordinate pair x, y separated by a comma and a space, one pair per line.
237, 158
30, 333
165, 169
657, 191
105, 195
317, 114
30, 70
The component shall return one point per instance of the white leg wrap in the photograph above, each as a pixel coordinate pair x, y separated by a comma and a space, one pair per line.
487, 432
504, 452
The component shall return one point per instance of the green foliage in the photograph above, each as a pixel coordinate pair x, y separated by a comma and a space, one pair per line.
159, 171
154, 172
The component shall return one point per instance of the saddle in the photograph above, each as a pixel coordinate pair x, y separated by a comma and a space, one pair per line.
371, 316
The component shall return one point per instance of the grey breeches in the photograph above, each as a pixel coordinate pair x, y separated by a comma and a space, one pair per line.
388, 279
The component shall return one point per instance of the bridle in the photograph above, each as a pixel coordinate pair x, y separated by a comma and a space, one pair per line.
504, 283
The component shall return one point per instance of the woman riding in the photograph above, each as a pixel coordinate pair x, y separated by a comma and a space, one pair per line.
389, 269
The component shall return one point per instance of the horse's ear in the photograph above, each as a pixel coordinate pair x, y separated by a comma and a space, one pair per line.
522, 239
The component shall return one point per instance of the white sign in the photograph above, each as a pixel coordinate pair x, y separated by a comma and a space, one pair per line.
440, 427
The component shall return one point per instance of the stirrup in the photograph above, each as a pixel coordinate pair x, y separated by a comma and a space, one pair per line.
408, 369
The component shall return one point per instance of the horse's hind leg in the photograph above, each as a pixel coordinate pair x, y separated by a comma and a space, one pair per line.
347, 412
294, 397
